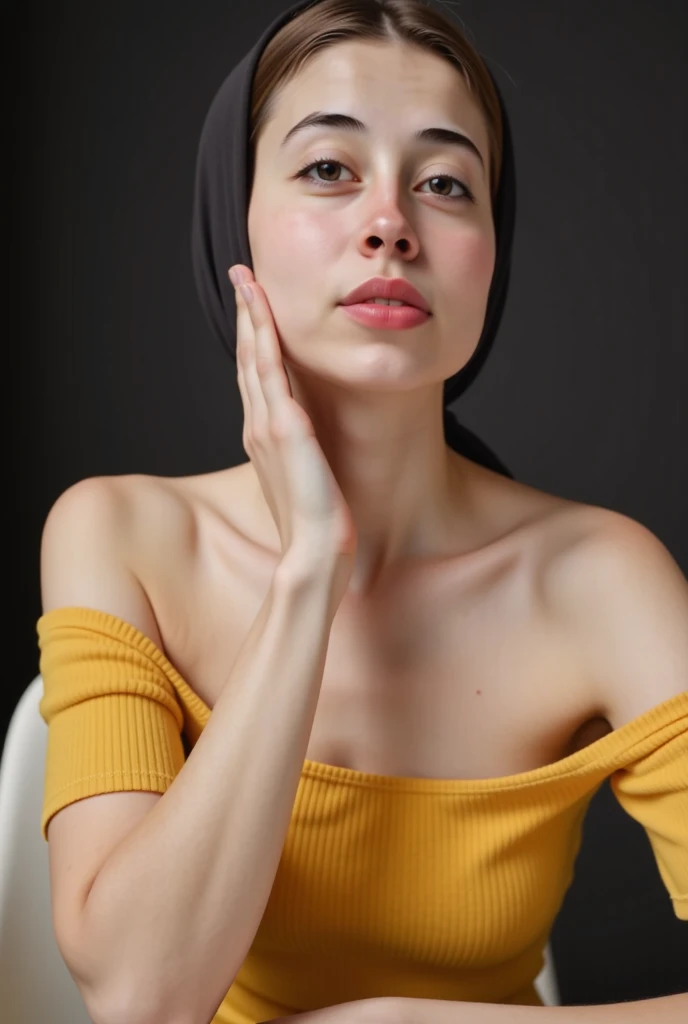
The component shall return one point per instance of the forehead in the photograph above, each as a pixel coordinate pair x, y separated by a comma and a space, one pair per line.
384, 84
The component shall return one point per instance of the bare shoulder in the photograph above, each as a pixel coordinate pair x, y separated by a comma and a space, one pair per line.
152, 515
600, 550
100, 538
622, 599
164, 522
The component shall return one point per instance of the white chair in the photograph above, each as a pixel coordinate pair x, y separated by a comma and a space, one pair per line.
546, 981
34, 980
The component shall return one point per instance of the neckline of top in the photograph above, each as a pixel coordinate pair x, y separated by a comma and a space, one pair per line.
590, 757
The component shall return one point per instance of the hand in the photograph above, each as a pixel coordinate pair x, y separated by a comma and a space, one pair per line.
297, 481
360, 1011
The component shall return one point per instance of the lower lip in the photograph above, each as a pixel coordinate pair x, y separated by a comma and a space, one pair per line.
386, 318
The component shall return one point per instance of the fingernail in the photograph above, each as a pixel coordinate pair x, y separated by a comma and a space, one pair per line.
247, 292
233, 277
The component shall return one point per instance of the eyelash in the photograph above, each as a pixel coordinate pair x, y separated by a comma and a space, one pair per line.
330, 160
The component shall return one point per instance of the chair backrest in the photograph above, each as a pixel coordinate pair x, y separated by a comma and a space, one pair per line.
546, 981
34, 980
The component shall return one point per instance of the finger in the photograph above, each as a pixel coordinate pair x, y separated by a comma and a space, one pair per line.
245, 400
246, 359
244, 349
269, 365
243, 326
273, 347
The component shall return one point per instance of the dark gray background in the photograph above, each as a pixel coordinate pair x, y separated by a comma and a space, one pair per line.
114, 369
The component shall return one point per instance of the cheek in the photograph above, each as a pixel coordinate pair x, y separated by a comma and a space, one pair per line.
293, 254
289, 248
466, 272
469, 263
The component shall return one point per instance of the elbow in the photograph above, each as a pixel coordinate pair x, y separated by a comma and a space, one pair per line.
111, 1006
139, 1009
132, 1000
124, 1010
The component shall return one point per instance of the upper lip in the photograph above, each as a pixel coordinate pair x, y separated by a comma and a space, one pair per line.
387, 288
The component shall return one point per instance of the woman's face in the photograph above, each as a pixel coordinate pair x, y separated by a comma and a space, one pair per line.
314, 238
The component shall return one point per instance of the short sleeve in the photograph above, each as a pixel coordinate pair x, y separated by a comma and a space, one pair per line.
114, 719
653, 790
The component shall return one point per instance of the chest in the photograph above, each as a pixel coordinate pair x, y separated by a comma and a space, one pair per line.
436, 681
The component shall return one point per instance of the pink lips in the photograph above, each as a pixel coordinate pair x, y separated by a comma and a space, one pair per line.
386, 318
387, 288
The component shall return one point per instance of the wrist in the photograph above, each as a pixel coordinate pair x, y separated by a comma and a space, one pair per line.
306, 565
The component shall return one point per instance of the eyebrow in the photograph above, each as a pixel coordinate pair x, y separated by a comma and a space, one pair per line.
343, 122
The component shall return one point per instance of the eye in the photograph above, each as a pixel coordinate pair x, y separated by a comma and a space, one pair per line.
453, 181
324, 162
332, 164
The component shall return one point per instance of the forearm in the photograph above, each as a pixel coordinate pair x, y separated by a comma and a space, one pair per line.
174, 910
662, 1010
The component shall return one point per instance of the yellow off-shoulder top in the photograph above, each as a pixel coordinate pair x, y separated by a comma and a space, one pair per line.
426, 888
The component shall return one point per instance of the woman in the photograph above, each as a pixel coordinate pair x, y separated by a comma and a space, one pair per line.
413, 700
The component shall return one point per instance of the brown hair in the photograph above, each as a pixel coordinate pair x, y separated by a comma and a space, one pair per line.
411, 21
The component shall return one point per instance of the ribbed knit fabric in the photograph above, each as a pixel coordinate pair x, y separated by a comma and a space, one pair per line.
428, 888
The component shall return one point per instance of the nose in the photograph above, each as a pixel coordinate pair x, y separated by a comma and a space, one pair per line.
389, 228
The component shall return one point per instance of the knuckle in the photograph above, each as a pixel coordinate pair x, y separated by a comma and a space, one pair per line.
261, 432
278, 430
263, 365
297, 415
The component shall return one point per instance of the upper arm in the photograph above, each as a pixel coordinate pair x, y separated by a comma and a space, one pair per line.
623, 600
88, 553
86, 549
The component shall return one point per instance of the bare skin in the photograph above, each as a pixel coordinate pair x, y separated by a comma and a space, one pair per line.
384, 204
455, 667
445, 659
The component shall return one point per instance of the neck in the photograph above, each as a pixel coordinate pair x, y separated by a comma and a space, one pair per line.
408, 492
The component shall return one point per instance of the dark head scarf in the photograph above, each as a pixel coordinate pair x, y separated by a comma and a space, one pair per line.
219, 234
